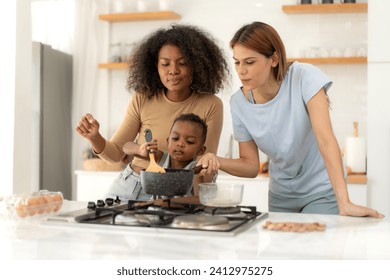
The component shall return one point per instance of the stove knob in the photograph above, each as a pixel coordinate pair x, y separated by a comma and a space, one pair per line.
109, 201
117, 199
91, 205
100, 203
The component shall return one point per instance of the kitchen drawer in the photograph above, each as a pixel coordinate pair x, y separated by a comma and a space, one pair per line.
255, 190
358, 194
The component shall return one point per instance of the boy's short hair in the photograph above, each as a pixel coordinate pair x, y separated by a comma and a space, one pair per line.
194, 119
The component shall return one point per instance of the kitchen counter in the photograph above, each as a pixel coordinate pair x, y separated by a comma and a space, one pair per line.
344, 238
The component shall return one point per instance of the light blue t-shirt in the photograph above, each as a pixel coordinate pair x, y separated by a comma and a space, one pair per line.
282, 130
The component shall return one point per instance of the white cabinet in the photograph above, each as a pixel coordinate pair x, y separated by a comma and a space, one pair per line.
255, 190
93, 185
358, 194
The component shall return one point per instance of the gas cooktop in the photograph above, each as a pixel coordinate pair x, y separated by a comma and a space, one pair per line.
171, 215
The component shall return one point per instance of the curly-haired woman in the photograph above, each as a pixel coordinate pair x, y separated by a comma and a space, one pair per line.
173, 71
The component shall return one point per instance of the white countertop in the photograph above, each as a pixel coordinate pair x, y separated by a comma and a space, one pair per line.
345, 238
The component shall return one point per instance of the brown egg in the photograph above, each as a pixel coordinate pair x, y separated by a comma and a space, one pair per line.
21, 209
50, 203
58, 201
41, 206
32, 205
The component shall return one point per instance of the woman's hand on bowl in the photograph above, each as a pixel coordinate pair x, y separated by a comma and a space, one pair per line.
210, 164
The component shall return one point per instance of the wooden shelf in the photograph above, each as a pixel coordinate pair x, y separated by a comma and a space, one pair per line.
357, 179
160, 15
331, 60
326, 8
113, 65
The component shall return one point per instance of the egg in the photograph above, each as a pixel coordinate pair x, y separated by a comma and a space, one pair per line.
21, 209
41, 204
58, 202
50, 203
32, 205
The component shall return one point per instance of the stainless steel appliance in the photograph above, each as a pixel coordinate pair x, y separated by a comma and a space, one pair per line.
51, 119
168, 215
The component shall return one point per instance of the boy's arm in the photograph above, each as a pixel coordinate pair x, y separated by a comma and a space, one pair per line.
131, 148
142, 151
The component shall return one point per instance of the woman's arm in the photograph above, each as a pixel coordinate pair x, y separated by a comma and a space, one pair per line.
247, 165
88, 127
127, 131
318, 108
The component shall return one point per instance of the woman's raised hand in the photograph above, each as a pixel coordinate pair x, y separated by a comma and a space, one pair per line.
88, 127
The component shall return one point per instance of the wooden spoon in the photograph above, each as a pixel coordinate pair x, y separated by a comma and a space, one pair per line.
153, 166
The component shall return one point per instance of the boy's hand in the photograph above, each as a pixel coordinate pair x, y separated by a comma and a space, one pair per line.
147, 147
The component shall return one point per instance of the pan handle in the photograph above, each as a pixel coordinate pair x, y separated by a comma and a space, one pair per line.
197, 169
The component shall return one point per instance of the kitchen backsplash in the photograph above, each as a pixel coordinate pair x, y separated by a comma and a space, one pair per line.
303, 35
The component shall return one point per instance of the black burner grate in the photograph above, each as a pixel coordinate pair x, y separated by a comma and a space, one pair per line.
161, 215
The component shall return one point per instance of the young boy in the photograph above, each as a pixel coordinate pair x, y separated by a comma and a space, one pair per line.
185, 143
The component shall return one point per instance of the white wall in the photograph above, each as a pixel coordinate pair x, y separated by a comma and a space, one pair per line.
23, 150
7, 88
16, 97
378, 118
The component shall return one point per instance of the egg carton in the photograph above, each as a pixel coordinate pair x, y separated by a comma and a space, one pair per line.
36, 204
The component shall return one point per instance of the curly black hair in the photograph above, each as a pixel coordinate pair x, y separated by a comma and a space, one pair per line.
206, 60
191, 117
